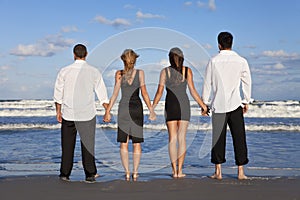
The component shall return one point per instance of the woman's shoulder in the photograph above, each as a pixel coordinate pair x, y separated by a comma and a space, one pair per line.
165, 68
188, 69
119, 72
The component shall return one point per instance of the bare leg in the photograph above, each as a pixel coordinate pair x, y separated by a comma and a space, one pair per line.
241, 174
182, 128
125, 159
172, 129
137, 152
218, 172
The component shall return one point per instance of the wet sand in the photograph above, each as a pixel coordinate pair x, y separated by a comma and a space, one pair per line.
50, 187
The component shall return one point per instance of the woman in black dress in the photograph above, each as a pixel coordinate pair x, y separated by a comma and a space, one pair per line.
176, 78
130, 112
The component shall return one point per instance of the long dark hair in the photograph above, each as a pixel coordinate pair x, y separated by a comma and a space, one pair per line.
176, 59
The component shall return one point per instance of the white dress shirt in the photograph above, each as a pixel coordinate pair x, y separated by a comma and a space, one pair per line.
224, 74
75, 89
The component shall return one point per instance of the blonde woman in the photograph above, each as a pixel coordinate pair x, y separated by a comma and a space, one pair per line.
176, 78
130, 112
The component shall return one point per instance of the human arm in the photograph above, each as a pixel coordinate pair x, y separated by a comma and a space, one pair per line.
107, 116
207, 83
246, 86
145, 94
100, 90
58, 95
58, 112
194, 92
160, 88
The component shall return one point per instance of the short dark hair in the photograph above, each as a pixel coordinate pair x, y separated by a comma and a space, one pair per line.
80, 51
225, 39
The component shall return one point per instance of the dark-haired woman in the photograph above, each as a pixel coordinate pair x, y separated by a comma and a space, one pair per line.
176, 78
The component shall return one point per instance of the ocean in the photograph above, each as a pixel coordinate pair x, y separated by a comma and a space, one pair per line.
30, 142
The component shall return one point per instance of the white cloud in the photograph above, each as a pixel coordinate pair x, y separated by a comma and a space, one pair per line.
45, 47
67, 29
141, 15
116, 22
276, 66
212, 5
4, 67
164, 62
207, 46
280, 54
267, 71
187, 46
188, 3
200, 4
129, 6
274, 69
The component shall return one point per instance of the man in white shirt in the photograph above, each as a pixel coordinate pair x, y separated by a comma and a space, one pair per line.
224, 74
74, 97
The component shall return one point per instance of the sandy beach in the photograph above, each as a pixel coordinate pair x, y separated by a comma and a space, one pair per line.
50, 187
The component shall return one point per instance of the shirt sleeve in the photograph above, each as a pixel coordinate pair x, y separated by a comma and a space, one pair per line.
101, 90
246, 83
207, 83
58, 88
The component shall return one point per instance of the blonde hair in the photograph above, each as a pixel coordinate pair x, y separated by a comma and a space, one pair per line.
129, 58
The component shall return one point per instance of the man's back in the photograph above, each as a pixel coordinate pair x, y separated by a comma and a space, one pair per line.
79, 80
225, 72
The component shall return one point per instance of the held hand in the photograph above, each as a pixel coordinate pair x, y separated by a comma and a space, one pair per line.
205, 111
107, 117
245, 108
59, 117
152, 116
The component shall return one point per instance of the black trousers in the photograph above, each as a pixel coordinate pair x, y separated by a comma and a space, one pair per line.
235, 120
86, 130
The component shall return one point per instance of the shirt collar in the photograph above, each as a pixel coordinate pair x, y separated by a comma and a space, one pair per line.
80, 61
227, 52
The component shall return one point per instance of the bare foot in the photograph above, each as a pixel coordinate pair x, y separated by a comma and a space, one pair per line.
175, 175
181, 175
241, 174
215, 176
97, 175
242, 177
127, 176
135, 175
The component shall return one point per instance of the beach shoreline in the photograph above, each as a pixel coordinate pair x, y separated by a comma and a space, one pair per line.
50, 187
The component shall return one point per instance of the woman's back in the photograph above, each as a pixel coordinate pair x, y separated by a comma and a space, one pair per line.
130, 86
177, 106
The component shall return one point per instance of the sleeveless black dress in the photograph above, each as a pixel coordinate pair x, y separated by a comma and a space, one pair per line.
130, 112
177, 106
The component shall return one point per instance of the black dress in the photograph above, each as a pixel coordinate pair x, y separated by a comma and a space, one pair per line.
130, 112
177, 106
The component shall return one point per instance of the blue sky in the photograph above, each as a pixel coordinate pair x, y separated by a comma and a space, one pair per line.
37, 38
